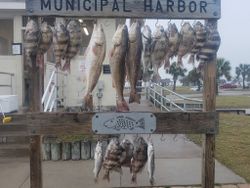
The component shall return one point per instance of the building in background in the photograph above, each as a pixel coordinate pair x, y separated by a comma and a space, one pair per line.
69, 87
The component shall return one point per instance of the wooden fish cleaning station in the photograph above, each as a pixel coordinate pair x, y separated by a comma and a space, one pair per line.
36, 124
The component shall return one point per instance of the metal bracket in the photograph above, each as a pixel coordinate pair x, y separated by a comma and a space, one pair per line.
123, 123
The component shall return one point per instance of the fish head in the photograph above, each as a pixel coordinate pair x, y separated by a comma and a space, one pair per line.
73, 26
114, 142
172, 29
146, 31
60, 27
118, 36
125, 143
134, 31
99, 35
159, 32
32, 25
187, 28
198, 26
110, 123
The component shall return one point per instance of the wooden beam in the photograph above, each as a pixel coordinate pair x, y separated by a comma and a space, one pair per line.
35, 162
81, 123
209, 98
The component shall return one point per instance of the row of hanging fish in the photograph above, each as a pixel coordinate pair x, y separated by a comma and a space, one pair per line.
65, 38
132, 154
202, 43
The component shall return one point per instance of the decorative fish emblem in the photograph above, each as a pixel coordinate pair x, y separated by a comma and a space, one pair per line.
123, 122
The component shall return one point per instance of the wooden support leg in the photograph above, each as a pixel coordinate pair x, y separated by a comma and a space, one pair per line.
208, 161
35, 162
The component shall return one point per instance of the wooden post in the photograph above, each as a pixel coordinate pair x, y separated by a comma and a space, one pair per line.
35, 95
209, 98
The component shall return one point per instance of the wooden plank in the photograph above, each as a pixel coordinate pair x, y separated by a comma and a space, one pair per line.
165, 9
80, 123
209, 98
35, 162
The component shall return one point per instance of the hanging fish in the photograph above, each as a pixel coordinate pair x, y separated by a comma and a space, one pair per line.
159, 50
174, 38
151, 162
112, 158
98, 157
93, 59
127, 152
60, 42
31, 38
187, 41
146, 53
74, 30
117, 63
139, 158
200, 40
211, 46
45, 42
133, 60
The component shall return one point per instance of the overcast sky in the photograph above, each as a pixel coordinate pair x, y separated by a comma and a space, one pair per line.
234, 28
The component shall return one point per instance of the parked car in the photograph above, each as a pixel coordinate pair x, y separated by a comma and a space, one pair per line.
228, 86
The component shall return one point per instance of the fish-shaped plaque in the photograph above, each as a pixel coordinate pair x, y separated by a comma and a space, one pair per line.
123, 123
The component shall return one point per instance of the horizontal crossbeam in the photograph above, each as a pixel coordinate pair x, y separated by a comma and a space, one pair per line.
30, 124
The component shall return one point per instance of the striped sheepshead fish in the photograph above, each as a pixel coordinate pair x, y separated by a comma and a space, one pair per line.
31, 37
210, 48
74, 31
201, 36
60, 42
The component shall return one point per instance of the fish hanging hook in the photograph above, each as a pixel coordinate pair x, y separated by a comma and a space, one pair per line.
169, 22
162, 138
182, 22
157, 23
195, 21
149, 136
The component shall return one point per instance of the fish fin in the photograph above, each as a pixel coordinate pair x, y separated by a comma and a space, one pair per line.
152, 181
111, 52
134, 97
166, 64
141, 123
96, 180
66, 66
88, 102
191, 59
133, 179
106, 176
94, 50
122, 106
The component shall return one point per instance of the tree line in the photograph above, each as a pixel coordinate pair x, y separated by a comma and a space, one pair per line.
194, 76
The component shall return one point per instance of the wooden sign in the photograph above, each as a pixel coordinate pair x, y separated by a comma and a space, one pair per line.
167, 9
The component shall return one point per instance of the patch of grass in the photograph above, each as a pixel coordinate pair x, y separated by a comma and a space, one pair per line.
233, 101
233, 143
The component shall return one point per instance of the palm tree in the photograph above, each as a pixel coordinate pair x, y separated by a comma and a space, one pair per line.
176, 71
223, 69
195, 77
244, 71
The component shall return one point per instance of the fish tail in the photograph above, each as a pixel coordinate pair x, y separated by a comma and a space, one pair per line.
191, 59
122, 106
106, 176
66, 66
134, 97
133, 179
141, 123
151, 180
88, 102
166, 64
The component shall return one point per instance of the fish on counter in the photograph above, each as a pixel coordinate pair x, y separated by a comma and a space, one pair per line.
98, 157
174, 38
31, 38
93, 59
60, 42
112, 158
151, 162
159, 50
74, 31
45, 42
139, 158
133, 60
187, 41
127, 152
117, 64
146, 53
211, 46
200, 40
